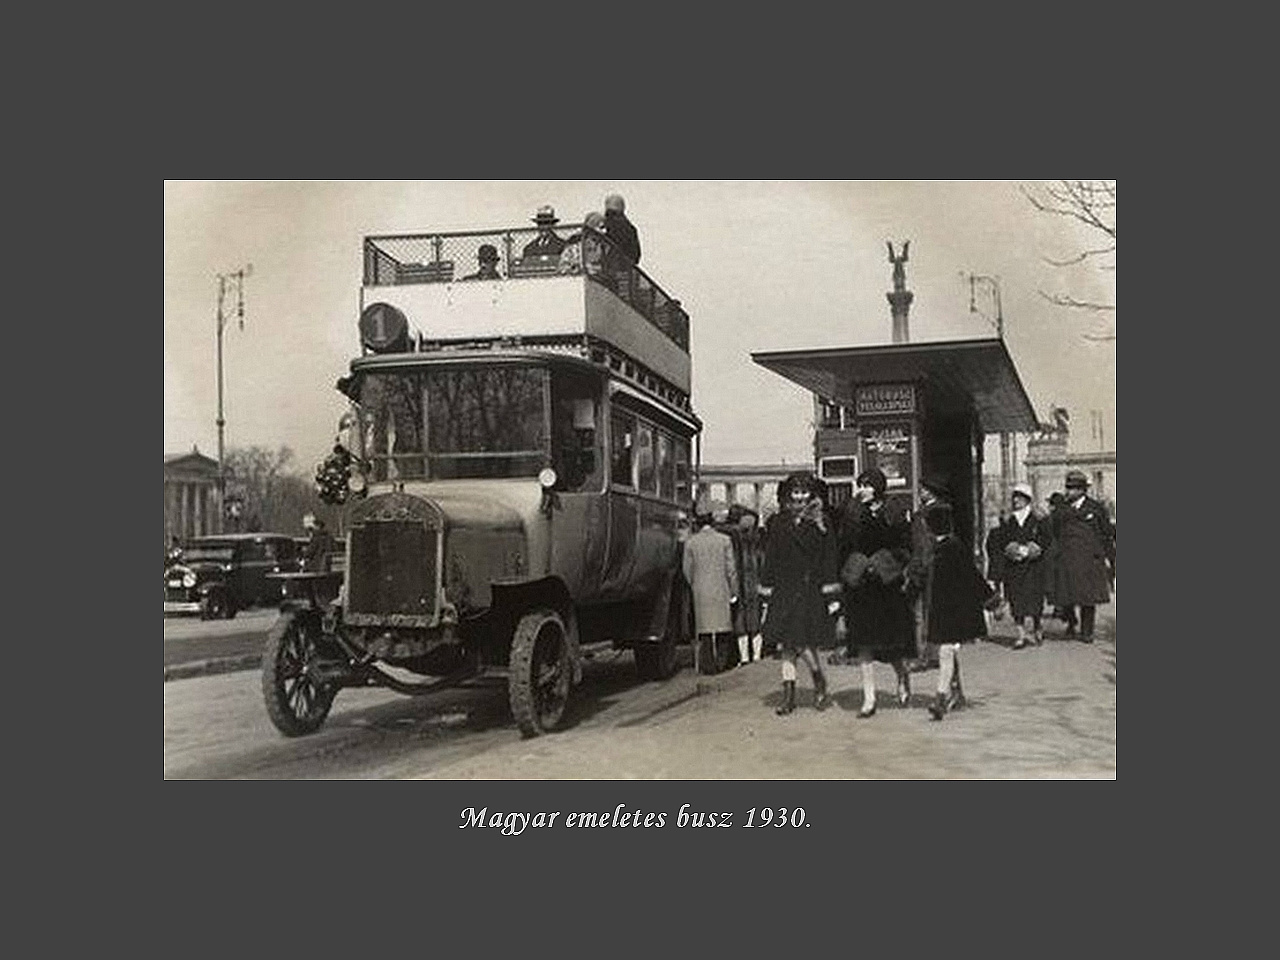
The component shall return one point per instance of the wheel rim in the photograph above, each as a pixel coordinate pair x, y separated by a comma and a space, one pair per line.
550, 673
300, 692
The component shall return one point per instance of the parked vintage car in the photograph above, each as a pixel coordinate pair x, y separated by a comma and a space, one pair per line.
217, 576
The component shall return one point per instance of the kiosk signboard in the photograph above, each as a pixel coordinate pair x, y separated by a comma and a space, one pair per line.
885, 399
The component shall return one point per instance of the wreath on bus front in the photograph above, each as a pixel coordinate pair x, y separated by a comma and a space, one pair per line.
333, 476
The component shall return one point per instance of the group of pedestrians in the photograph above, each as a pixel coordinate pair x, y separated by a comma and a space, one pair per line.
1065, 559
889, 586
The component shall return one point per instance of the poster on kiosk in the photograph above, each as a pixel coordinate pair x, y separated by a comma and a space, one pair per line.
885, 414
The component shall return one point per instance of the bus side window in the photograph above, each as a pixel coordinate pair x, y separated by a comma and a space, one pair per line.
683, 490
666, 467
648, 475
622, 430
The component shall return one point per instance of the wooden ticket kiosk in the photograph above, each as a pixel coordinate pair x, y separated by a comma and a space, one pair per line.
914, 410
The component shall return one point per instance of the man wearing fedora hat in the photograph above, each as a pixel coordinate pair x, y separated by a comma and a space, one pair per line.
1086, 550
547, 243
487, 257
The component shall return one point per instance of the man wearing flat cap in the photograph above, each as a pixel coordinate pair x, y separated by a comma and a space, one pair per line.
1086, 548
547, 243
488, 260
622, 252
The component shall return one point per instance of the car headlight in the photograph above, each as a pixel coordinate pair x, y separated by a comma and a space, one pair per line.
356, 482
188, 579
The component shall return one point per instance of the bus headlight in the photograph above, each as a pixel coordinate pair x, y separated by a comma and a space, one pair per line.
547, 477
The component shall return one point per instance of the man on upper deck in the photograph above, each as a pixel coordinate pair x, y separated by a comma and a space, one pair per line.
547, 243
488, 262
622, 235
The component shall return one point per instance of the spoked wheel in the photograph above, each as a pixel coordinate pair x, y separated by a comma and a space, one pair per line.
296, 701
541, 673
213, 606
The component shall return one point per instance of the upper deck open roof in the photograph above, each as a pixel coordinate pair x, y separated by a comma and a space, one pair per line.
980, 369
523, 253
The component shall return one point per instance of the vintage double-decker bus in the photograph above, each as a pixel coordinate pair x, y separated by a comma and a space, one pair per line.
523, 452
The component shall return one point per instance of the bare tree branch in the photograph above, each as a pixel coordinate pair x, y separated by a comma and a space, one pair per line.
1062, 300
1082, 257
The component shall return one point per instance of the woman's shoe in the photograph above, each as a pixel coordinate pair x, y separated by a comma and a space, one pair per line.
788, 698
1019, 643
867, 712
820, 699
904, 691
938, 709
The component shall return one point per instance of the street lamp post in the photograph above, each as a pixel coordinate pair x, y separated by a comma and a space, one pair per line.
224, 279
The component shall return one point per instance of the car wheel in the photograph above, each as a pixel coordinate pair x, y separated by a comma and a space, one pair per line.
541, 673
212, 606
296, 702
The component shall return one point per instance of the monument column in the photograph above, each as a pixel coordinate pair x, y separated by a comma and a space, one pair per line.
900, 299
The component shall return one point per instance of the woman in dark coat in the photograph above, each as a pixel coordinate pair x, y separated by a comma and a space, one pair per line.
954, 599
1018, 558
876, 549
800, 585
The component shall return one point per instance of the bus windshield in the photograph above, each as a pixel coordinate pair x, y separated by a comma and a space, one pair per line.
442, 423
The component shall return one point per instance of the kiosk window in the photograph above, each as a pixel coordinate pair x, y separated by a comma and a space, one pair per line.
622, 429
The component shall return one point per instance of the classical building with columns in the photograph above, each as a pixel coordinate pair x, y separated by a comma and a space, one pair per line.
753, 485
191, 506
1048, 461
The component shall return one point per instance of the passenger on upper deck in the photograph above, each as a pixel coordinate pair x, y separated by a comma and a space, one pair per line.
488, 260
584, 250
547, 243
622, 235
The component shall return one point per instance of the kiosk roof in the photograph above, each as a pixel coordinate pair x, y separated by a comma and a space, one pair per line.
980, 369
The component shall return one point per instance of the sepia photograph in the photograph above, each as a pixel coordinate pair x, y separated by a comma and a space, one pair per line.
643, 480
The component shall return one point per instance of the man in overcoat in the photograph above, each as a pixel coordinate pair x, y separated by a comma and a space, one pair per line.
933, 494
713, 577
1086, 550
800, 584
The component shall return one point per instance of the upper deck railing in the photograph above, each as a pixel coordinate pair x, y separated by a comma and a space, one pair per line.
524, 252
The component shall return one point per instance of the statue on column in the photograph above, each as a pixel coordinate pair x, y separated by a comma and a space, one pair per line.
899, 272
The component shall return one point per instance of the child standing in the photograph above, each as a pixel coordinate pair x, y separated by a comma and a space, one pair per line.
955, 597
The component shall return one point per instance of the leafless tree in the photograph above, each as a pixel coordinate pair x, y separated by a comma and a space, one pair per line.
275, 497
1089, 202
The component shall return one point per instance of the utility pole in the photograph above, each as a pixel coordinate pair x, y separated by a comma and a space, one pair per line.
225, 280
1006, 457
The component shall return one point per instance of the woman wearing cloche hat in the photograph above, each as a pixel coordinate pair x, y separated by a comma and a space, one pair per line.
1016, 551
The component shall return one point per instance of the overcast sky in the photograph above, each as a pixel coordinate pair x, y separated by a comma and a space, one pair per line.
759, 265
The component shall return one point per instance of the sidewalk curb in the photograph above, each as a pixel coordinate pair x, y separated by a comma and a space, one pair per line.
206, 668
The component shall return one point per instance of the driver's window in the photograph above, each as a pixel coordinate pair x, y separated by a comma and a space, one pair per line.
576, 449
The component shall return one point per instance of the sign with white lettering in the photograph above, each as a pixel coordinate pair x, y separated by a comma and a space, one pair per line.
885, 398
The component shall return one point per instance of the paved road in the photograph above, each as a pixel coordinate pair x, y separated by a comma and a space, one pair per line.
1047, 712
190, 639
